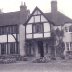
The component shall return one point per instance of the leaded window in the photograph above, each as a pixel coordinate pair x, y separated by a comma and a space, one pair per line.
38, 28
3, 48
12, 48
8, 29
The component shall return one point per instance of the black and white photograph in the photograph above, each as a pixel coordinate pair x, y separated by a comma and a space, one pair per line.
35, 36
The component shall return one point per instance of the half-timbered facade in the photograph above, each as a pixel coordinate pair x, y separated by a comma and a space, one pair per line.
9, 39
21, 34
12, 31
37, 34
38, 28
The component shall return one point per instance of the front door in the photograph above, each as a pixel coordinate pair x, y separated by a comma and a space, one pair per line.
40, 48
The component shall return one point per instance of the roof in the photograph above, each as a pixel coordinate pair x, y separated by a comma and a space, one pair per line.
11, 18
17, 17
59, 19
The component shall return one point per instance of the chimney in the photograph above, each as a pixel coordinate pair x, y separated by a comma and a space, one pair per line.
54, 10
24, 13
53, 6
23, 7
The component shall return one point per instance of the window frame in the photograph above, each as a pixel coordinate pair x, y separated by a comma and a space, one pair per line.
36, 29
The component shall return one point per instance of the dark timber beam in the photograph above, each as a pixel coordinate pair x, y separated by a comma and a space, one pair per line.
15, 37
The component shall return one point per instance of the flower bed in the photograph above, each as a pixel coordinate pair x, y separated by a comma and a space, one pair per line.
7, 60
41, 60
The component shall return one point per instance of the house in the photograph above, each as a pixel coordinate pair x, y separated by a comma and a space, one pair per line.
25, 34
38, 27
12, 31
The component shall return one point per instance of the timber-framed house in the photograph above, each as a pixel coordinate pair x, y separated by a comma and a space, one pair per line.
12, 31
38, 34
38, 29
25, 34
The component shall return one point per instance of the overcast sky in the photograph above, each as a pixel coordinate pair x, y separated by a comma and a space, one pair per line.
64, 6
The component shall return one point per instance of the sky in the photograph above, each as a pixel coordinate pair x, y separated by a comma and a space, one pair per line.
64, 6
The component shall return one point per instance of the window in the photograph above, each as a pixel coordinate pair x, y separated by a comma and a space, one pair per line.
3, 30
66, 29
12, 29
3, 48
38, 28
67, 46
70, 28
12, 48
8, 29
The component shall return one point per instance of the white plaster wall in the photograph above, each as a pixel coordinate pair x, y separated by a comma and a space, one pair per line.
37, 35
37, 18
67, 37
47, 35
22, 39
43, 19
46, 27
29, 36
31, 20
29, 28
36, 12
3, 38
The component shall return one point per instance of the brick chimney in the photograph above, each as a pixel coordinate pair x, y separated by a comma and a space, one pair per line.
53, 6
54, 10
23, 7
23, 13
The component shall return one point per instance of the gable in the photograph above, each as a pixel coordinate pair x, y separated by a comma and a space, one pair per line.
36, 12
37, 26
37, 16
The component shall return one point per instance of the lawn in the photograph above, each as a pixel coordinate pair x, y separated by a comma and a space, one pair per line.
54, 66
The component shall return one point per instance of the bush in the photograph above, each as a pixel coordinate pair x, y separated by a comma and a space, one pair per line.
7, 61
41, 60
22, 58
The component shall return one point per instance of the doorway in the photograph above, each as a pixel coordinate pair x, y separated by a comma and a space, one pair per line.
40, 48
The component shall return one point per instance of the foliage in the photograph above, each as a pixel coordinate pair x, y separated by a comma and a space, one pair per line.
41, 60
58, 41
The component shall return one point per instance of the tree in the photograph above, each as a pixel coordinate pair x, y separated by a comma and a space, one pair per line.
59, 46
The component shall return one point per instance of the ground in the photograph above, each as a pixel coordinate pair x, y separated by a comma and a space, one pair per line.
54, 66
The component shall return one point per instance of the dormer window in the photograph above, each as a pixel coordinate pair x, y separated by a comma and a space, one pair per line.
38, 28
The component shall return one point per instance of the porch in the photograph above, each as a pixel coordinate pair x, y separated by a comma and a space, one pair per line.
40, 48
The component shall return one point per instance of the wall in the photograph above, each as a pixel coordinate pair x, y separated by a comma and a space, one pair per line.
21, 39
